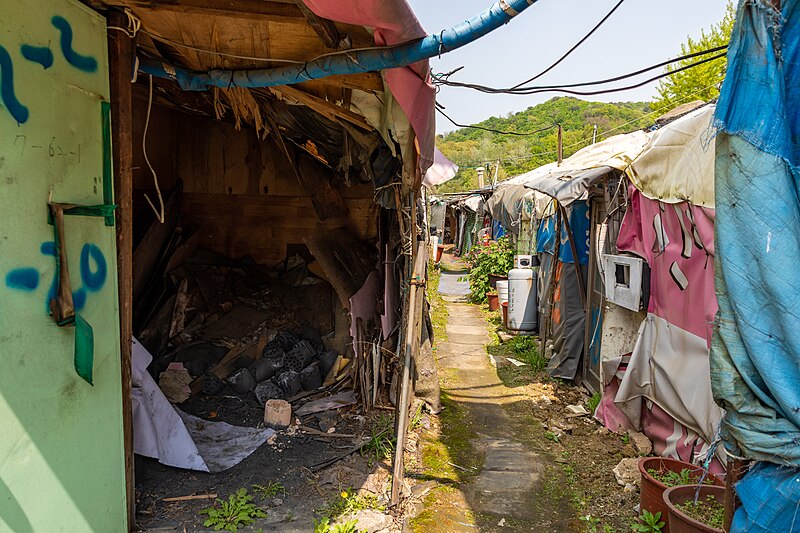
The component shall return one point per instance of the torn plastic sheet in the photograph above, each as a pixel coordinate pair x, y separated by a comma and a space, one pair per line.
179, 439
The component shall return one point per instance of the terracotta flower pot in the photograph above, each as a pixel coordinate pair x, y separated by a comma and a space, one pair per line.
439, 251
494, 278
494, 302
651, 497
504, 306
680, 522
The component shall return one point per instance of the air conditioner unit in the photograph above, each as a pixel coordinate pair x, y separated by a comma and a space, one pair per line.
623, 280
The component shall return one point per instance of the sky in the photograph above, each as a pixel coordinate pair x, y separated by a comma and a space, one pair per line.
640, 33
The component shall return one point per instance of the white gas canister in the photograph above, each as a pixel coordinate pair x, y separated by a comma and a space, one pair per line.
522, 311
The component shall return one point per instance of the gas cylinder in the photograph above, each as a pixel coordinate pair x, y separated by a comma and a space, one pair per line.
522, 311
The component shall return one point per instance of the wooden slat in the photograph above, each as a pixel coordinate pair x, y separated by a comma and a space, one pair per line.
367, 81
323, 107
260, 9
326, 29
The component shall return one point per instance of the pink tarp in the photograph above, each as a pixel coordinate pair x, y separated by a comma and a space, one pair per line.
393, 22
677, 240
664, 386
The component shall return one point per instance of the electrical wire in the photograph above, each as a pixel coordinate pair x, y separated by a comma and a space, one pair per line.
490, 130
442, 79
159, 212
629, 87
575, 47
587, 140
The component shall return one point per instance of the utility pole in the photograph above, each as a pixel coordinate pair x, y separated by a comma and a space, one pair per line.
594, 134
480, 171
560, 145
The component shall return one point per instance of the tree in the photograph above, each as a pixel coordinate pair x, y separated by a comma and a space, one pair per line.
701, 82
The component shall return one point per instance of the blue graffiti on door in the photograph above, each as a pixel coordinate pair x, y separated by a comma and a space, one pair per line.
17, 110
93, 272
79, 61
44, 57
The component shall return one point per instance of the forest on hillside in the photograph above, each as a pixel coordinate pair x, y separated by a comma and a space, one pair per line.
471, 148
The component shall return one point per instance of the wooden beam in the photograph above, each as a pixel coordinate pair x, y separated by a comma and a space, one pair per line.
366, 81
120, 59
326, 29
323, 107
259, 9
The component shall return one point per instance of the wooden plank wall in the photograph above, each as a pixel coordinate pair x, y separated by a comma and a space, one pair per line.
239, 191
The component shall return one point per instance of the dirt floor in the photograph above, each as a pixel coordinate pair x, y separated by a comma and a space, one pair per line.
280, 476
506, 454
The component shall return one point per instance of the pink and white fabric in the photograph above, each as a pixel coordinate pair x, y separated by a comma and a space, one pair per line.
669, 365
393, 22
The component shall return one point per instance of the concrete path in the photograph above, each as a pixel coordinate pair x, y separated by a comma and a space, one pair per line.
507, 492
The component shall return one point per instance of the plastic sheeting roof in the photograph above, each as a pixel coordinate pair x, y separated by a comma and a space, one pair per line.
672, 164
678, 163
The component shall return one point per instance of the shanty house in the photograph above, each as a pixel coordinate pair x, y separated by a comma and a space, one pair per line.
137, 204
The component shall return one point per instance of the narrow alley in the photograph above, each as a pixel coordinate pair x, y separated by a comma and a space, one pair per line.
508, 427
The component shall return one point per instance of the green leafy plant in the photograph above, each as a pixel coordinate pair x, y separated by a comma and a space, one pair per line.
270, 490
625, 438
673, 479
591, 522
231, 514
593, 402
496, 258
526, 348
324, 526
551, 436
709, 511
347, 502
382, 441
648, 523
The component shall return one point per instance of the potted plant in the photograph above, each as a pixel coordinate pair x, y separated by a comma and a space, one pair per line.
695, 508
661, 473
494, 278
483, 261
493, 300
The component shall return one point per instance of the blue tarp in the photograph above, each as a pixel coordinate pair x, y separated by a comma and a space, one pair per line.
755, 353
578, 213
770, 497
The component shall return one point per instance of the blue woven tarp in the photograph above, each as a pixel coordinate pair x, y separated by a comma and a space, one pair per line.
755, 353
770, 497
578, 213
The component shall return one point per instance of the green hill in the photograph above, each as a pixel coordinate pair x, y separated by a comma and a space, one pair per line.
470, 148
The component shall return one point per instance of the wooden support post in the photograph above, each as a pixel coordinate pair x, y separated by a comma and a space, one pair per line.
736, 467
573, 248
416, 294
120, 58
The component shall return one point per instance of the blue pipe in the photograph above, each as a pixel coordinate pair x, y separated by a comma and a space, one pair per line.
346, 63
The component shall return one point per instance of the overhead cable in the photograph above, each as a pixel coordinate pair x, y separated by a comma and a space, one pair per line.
575, 47
443, 79
490, 130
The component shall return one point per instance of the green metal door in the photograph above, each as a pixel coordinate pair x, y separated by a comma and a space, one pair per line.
61, 437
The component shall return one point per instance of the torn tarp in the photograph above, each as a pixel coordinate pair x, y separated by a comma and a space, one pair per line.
177, 439
755, 356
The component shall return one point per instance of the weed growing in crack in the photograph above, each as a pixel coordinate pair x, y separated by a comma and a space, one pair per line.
270, 490
382, 441
231, 514
347, 502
